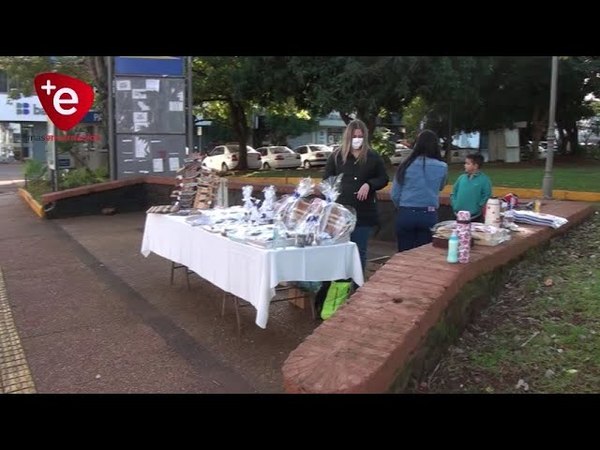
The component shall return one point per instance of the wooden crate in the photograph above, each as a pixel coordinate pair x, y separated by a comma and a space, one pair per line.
299, 298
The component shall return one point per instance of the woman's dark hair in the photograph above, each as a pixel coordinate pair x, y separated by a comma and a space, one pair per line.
427, 145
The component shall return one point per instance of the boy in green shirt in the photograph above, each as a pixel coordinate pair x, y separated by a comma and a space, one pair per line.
472, 189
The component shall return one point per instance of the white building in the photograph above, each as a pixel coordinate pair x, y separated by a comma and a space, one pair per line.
329, 132
22, 121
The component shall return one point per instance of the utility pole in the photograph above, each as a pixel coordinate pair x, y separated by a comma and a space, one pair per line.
110, 105
550, 137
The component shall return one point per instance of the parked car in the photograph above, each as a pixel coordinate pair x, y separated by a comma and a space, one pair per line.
278, 157
400, 154
313, 155
542, 148
226, 157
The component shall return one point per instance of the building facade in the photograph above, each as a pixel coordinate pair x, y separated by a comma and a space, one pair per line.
22, 123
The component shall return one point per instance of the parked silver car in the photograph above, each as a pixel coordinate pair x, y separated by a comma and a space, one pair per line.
400, 154
225, 157
313, 155
278, 157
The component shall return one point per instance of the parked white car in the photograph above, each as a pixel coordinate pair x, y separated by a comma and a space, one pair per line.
400, 154
278, 157
223, 158
313, 155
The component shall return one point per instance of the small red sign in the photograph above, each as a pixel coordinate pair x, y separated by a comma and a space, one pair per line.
65, 99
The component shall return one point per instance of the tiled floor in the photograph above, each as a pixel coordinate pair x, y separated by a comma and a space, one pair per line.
15, 376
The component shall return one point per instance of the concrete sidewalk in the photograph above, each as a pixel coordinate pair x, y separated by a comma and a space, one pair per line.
92, 315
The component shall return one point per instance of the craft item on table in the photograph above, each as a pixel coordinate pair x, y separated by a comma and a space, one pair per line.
204, 198
307, 232
290, 209
251, 213
512, 200
267, 208
441, 233
162, 209
463, 230
191, 169
337, 221
492, 212
542, 219
340, 222
489, 235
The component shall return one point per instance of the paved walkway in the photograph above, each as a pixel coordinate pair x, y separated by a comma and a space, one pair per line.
87, 313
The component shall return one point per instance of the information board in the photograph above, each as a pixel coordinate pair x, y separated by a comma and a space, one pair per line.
150, 105
139, 155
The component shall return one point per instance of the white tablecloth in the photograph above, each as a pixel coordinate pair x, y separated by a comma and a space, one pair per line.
250, 273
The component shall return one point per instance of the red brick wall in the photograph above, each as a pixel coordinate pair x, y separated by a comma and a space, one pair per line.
370, 340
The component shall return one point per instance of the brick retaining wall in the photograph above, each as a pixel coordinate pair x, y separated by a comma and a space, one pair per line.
372, 343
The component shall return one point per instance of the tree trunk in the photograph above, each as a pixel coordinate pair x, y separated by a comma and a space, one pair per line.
240, 127
538, 126
562, 141
572, 137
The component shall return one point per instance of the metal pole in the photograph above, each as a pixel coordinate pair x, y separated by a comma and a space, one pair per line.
112, 151
190, 115
550, 137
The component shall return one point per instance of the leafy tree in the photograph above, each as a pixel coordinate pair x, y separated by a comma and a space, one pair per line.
223, 85
360, 86
577, 79
451, 87
413, 115
281, 126
381, 142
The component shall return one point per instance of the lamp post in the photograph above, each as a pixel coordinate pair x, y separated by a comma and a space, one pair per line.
550, 137
190, 109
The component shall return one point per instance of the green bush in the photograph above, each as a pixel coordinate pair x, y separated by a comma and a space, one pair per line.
81, 177
381, 142
34, 170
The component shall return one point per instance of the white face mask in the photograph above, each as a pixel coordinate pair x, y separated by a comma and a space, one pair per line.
357, 143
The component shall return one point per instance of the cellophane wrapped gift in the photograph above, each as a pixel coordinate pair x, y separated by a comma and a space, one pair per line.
250, 208
308, 229
337, 221
291, 209
267, 208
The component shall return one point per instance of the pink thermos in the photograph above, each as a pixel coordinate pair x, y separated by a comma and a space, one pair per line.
463, 230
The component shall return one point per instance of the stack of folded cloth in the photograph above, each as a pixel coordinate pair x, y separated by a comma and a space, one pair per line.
533, 218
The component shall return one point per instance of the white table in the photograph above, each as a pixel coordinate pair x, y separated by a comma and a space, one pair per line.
248, 272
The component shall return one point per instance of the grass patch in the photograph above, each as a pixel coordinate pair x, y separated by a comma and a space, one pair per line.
566, 176
542, 333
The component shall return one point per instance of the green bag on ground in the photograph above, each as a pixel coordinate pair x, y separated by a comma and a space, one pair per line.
337, 294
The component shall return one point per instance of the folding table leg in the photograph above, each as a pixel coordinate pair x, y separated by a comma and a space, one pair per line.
223, 304
237, 315
312, 300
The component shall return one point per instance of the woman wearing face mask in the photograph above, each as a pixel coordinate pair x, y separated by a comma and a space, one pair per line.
364, 174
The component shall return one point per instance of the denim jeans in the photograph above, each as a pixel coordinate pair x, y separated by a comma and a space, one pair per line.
413, 227
360, 236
